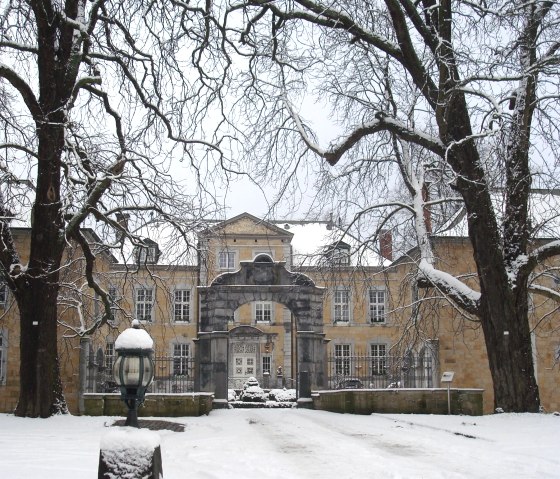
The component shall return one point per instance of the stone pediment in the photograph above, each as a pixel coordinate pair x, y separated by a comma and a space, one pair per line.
247, 225
245, 331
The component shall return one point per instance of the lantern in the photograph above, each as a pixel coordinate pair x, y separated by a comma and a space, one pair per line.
133, 369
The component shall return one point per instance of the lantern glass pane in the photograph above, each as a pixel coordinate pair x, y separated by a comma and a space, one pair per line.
131, 371
116, 370
148, 372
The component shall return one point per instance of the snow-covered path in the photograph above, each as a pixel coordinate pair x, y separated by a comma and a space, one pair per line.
300, 444
307, 444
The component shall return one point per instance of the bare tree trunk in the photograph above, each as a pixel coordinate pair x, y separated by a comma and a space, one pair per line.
37, 289
40, 386
503, 313
508, 345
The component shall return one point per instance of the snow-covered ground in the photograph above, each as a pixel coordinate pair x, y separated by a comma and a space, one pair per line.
299, 444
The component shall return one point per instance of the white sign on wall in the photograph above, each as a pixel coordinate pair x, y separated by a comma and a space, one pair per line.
447, 376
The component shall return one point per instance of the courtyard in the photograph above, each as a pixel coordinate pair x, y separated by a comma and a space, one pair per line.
299, 444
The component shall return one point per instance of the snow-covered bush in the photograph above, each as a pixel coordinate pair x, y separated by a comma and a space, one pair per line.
231, 395
282, 395
252, 392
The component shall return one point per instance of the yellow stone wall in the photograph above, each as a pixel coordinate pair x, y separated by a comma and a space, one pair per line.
460, 342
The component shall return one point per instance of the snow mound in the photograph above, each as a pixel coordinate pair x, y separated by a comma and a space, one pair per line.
129, 451
133, 338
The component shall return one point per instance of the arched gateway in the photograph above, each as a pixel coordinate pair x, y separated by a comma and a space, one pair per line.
260, 280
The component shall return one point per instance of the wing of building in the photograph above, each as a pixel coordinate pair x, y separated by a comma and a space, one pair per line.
247, 297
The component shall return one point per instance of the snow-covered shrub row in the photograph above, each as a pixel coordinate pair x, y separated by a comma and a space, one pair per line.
282, 395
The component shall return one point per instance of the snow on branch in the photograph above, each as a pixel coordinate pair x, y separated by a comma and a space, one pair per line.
23, 88
544, 291
18, 46
459, 292
383, 122
79, 26
538, 255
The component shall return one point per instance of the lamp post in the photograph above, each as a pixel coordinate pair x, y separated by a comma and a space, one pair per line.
133, 369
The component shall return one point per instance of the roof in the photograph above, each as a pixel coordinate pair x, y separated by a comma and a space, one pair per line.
312, 239
544, 215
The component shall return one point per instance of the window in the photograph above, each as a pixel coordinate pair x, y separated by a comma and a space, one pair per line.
109, 355
113, 298
148, 252
342, 359
341, 257
261, 256
181, 359
3, 356
341, 305
3, 294
147, 255
338, 254
226, 260
378, 359
426, 359
263, 312
144, 304
182, 305
376, 306
266, 364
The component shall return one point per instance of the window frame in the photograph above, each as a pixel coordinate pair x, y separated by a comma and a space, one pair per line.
144, 304
231, 260
3, 295
264, 307
180, 365
338, 311
343, 359
114, 298
378, 359
109, 355
147, 254
185, 305
374, 307
266, 368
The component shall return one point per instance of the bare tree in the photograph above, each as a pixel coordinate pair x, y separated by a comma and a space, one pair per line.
460, 98
96, 100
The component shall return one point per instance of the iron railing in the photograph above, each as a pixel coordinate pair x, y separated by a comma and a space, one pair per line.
375, 372
171, 375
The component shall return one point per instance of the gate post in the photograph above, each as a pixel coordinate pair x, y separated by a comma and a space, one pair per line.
311, 355
213, 365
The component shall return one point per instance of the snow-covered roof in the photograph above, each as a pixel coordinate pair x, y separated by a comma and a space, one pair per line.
310, 241
175, 247
313, 240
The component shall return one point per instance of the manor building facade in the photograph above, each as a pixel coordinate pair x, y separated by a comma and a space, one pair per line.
270, 300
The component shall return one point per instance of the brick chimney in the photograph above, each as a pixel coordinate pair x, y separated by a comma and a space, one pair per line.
386, 244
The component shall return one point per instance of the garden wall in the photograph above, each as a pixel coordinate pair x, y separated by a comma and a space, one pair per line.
155, 405
397, 401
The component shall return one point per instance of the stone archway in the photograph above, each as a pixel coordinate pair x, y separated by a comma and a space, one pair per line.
258, 280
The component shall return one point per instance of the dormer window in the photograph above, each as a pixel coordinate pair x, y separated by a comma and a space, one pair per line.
338, 254
148, 252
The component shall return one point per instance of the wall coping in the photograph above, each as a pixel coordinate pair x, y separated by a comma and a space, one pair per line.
196, 394
395, 390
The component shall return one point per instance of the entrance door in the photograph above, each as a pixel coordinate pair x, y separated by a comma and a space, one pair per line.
244, 362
